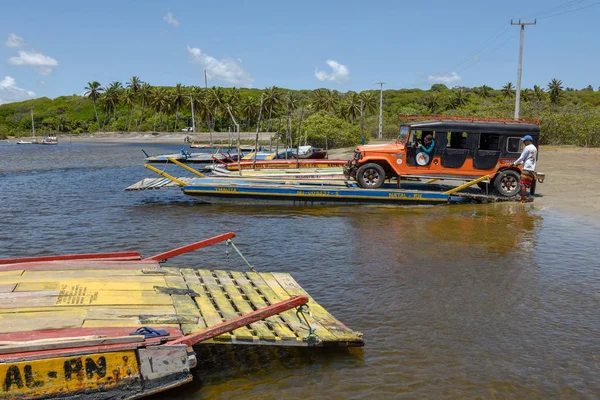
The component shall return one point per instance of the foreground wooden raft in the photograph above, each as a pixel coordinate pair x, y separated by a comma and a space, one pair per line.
66, 322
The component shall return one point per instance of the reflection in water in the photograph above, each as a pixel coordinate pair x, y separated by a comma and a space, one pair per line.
491, 301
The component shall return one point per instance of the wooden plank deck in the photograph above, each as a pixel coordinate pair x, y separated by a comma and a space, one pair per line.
186, 300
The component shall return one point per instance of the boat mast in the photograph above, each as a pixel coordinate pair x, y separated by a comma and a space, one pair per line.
32, 124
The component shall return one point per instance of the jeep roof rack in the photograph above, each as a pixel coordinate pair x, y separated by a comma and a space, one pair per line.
438, 117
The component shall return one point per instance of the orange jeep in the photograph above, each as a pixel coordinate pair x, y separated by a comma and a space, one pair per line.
463, 150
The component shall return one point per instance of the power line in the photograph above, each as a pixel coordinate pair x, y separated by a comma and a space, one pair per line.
553, 9
570, 11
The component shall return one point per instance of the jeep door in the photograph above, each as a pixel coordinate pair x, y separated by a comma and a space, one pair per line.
489, 151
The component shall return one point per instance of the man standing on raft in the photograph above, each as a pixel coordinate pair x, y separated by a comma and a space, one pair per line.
528, 158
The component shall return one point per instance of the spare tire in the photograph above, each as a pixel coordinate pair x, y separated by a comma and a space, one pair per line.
507, 183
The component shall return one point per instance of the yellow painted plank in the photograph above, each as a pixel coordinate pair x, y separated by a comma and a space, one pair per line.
185, 307
4, 274
210, 315
156, 279
245, 284
176, 282
91, 285
84, 272
224, 306
319, 314
171, 271
33, 321
65, 375
122, 322
129, 311
190, 275
291, 317
244, 305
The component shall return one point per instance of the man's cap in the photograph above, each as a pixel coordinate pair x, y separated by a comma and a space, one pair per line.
527, 137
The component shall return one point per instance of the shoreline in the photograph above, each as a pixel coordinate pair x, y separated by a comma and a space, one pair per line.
572, 183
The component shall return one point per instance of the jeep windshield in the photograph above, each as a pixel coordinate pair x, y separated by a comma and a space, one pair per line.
403, 133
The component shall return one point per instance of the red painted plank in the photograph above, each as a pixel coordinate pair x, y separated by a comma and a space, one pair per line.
191, 247
74, 352
79, 265
174, 333
116, 256
240, 321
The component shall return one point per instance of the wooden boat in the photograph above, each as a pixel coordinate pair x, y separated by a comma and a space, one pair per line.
117, 325
309, 152
268, 155
50, 140
204, 156
284, 164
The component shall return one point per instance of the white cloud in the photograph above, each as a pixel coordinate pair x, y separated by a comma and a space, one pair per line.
14, 40
444, 77
9, 91
339, 72
170, 19
225, 69
39, 61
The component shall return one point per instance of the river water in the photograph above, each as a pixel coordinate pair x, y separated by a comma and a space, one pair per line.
476, 301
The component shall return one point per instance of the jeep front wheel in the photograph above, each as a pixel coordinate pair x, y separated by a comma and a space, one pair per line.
370, 176
507, 183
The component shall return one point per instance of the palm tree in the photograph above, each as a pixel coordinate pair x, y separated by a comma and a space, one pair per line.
159, 103
369, 100
145, 95
555, 89
350, 107
508, 90
458, 98
177, 101
432, 101
111, 98
484, 91
271, 99
526, 94
538, 92
93, 91
128, 98
249, 109
134, 84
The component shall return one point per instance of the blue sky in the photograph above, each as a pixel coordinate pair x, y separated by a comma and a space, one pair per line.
53, 48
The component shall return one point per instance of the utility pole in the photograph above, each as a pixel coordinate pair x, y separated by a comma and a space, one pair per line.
520, 70
193, 119
380, 136
32, 124
205, 81
362, 124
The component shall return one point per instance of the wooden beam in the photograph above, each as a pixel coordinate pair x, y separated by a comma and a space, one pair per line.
161, 173
191, 247
466, 185
182, 165
116, 256
240, 321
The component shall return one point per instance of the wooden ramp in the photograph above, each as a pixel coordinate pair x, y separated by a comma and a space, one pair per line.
39, 299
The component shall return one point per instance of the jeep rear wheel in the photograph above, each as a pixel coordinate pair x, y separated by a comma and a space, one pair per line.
370, 176
507, 183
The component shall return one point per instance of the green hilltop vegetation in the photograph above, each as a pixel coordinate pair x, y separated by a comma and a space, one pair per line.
327, 117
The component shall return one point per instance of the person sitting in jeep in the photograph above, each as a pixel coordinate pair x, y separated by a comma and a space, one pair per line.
428, 145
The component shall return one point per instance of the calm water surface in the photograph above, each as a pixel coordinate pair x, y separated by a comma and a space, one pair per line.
489, 301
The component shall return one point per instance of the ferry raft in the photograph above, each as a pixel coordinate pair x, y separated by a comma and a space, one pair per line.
305, 191
120, 326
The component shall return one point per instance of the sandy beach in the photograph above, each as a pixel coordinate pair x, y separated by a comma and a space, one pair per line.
571, 184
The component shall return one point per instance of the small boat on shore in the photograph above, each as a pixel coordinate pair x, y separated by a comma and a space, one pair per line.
203, 156
121, 326
49, 140
309, 152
